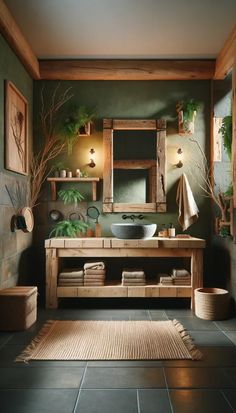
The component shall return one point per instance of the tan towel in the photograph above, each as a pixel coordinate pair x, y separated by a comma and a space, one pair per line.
94, 265
135, 272
89, 271
188, 210
180, 272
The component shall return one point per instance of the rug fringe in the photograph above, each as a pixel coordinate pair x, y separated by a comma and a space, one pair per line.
28, 352
188, 341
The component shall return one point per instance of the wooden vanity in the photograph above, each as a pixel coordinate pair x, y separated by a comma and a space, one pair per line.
59, 248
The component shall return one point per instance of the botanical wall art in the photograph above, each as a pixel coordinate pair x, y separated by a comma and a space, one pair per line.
16, 119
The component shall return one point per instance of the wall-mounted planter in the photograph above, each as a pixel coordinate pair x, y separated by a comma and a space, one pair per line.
185, 126
85, 130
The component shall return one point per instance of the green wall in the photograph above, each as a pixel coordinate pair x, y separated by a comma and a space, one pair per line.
139, 99
14, 247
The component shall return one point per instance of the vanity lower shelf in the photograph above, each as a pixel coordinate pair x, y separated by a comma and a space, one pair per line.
150, 290
57, 249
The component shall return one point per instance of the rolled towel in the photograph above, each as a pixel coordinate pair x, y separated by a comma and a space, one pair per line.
94, 265
90, 271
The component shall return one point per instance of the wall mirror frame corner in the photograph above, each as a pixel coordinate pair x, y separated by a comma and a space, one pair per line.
156, 167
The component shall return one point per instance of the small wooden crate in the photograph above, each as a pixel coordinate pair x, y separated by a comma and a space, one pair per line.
18, 308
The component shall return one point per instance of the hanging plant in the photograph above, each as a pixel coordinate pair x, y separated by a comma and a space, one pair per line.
226, 130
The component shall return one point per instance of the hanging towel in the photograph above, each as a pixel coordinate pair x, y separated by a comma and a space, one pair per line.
188, 210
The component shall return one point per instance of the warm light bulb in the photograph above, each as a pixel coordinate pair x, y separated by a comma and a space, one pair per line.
180, 158
91, 158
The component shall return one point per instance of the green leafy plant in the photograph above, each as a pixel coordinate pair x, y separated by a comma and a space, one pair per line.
77, 119
68, 228
84, 174
189, 108
226, 130
224, 232
70, 196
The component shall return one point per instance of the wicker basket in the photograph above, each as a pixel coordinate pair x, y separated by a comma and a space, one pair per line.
211, 303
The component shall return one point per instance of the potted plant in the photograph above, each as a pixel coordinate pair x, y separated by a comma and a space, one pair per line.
68, 228
187, 110
76, 124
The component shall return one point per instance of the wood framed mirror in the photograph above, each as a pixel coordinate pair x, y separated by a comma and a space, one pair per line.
146, 134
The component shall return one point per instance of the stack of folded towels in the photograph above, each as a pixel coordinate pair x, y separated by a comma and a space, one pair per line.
94, 274
165, 279
135, 276
181, 277
71, 277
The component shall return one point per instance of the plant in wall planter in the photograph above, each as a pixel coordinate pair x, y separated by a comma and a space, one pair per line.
187, 111
76, 124
69, 228
70, 196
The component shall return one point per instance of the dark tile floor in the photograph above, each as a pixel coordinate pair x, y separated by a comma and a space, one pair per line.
178, 386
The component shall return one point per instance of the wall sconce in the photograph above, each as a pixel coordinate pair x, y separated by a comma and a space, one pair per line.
180, 158
92, 163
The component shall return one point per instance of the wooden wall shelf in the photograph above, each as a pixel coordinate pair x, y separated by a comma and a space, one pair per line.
53, 181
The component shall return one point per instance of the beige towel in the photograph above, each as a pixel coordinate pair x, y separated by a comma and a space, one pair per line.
89, 271
94, 265
188, 210
180, 272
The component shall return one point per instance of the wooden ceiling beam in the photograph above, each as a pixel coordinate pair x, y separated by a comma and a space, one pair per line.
225, 59
17, 42
126, 69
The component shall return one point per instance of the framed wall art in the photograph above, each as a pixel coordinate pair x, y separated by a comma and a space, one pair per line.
16, 130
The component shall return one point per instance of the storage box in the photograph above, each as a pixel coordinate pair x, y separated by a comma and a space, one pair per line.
18, 308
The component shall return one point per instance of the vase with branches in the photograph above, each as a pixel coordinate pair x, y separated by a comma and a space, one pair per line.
207, 183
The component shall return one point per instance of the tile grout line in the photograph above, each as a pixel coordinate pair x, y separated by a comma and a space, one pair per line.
80, 388
138, 403
167, 389
226, 399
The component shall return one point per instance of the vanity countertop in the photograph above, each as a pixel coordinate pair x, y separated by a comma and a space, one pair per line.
108, 242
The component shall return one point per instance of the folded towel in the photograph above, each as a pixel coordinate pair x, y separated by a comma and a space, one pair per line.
134, 280
132, 272
89, 271
188, 210
132, 275
94, 265
94, 278
129, 284
70, 283
71, 273
180, 272
93, 284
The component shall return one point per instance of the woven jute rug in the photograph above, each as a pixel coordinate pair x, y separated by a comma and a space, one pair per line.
111, 340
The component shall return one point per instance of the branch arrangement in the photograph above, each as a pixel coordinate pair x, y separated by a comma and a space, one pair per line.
52, 143
208, 183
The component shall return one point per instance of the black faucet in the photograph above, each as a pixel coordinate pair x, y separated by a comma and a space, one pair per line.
132, 217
